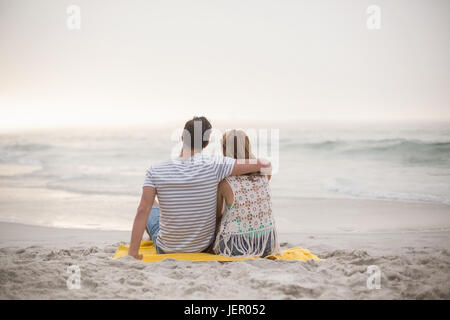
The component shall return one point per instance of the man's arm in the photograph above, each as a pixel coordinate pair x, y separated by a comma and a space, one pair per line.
140, 221
244, 166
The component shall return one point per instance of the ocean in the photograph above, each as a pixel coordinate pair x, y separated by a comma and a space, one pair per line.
92, 178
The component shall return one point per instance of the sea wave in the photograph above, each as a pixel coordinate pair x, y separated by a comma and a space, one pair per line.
380, 144
348, 187
22, 153
411, 151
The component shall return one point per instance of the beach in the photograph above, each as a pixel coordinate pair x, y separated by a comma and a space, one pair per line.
34, 263
349, 101
359, 198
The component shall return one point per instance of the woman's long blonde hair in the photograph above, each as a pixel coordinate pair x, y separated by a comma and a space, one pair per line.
236, 144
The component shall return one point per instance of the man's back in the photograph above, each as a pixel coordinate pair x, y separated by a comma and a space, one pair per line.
187, 194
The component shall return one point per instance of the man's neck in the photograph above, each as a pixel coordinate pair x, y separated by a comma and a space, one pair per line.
187, 153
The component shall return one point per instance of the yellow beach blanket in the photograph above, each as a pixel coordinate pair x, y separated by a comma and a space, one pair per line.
150, 255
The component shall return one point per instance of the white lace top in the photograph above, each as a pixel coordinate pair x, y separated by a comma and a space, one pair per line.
248, 228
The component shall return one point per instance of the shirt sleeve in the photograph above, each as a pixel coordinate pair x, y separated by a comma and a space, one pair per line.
148, 181
223, 166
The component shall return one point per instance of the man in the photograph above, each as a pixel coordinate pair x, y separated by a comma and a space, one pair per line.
187, 194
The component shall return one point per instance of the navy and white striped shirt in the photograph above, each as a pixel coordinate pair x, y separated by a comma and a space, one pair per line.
187, 194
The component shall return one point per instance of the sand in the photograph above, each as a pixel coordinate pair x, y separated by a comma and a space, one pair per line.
34, 264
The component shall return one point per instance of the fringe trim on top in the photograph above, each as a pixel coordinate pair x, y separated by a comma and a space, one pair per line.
249, 244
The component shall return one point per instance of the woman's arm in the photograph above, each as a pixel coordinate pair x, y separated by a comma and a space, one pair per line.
220, 205
224, 197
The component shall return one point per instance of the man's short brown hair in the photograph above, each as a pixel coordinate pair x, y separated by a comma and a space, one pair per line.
196, 133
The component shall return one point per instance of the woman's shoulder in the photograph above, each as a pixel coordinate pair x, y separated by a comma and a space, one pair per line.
225, 187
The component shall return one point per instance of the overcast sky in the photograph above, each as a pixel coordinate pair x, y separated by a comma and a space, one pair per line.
161, 61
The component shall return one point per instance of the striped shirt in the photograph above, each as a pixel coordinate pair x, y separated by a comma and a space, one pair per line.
187, 194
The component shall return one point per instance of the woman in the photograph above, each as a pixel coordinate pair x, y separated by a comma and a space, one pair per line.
247, 226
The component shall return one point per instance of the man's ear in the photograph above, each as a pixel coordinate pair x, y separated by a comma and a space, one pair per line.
182, 139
